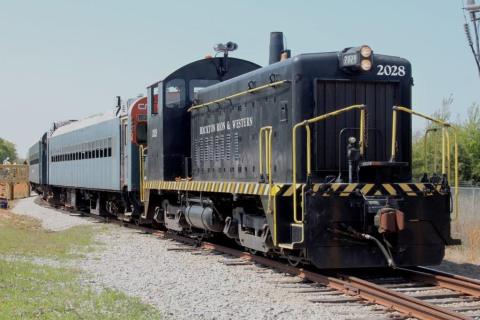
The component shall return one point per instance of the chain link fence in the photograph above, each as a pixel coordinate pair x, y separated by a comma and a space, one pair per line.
469, 203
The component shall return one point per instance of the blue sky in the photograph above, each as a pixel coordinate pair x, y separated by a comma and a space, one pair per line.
69, 59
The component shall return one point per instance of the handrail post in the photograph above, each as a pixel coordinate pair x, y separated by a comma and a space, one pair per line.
362, 132
447, 149
269, 163
294, 169
425, 145
267, 155
264, 133
309, 151
456, 173
443, 151
394, 135
260, 152
142, 173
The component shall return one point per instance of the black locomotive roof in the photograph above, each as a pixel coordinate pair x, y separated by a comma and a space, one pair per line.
208, 69
323, 65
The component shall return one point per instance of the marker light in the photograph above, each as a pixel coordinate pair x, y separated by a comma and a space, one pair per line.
365, 51
366, 65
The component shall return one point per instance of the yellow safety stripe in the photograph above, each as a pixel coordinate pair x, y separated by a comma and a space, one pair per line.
366, 188
333, 189
391, 190
348, 189
214, 186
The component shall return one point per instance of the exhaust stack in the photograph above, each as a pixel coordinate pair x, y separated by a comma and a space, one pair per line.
276, 46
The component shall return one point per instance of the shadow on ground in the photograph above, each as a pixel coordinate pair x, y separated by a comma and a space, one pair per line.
464, 269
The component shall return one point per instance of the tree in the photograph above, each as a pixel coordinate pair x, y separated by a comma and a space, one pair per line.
7, 149
469, 139
468, 134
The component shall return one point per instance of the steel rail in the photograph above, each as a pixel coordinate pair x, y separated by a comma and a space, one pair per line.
346, 284
399, 301
443, 279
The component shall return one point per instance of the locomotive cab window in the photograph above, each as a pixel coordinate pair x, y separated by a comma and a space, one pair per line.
196, 85
151, 94
175, 94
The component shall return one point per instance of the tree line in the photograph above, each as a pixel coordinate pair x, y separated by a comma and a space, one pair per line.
7, 149
468, 137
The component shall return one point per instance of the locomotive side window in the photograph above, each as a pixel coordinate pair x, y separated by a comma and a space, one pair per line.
196, 85
175, 94
151, 93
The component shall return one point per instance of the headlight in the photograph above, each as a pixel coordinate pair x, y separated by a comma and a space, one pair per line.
365, 51
356, 59
366, 65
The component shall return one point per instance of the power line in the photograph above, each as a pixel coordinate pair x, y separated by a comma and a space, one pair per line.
472, 8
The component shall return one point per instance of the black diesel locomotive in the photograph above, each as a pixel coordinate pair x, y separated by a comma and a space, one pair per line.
294, 159
352, 205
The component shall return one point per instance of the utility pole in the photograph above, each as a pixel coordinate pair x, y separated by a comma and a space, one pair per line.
472, 9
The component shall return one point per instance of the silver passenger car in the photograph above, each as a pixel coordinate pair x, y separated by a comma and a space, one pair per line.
34, 157
86, 154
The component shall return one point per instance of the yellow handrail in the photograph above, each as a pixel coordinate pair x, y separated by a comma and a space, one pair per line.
306, 124
445, 146
142, 172
425, 164
443, 151
447, 152
238, 94
265, 133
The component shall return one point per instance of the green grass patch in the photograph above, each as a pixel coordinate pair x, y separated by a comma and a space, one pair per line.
29, 291
24, 236
32, 291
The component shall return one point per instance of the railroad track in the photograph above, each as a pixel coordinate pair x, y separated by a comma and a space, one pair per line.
418, 292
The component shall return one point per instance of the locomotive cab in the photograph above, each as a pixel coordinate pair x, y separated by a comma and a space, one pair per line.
168, 136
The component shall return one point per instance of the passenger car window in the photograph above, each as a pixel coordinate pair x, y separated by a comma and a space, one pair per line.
175, 93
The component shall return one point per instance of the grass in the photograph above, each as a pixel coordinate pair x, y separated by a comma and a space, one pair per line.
20, 235
469, 232
29, 290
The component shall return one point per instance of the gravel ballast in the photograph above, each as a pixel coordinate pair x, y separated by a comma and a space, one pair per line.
186, 284
51, 219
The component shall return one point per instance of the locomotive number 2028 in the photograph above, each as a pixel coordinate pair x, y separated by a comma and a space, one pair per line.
391, 70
